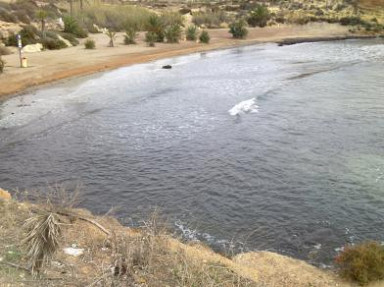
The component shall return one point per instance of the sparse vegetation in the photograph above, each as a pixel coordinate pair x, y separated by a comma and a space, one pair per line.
90, 44
363, 263
204, 37
171, 19
210, 19
238, 29
114, 17
30, 35
191, 33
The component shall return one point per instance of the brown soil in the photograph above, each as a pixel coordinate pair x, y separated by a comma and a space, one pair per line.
48, 66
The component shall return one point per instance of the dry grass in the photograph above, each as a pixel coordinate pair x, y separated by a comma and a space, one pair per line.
122, 257
144, 257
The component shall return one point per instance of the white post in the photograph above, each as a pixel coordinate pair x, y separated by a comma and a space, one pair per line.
20, 45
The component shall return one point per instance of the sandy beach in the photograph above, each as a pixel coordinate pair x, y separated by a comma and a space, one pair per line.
49, 66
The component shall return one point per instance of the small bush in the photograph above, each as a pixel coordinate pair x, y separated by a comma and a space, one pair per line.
238, 29
204, 37
156, 26
150, 38
191, 33
53, 44
173, 33
2, 65
363, 263
71, 26
259, 16
130, 36
90, 44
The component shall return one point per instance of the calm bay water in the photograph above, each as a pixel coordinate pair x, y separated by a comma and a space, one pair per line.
302, 176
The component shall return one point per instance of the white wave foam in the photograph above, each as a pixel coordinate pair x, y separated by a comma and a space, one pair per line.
248, 106
373, 51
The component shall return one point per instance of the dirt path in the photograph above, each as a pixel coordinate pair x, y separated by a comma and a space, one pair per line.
49, 66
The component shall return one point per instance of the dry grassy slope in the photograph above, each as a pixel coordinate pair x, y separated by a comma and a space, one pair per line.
372, 9
154, 258
372, 3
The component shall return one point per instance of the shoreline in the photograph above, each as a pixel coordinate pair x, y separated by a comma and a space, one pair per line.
54, 66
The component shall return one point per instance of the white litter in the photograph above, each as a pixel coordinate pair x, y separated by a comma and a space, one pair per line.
73, 251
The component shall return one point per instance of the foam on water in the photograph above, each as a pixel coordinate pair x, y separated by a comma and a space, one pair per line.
248, 106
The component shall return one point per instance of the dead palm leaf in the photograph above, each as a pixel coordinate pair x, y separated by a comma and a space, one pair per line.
41, 239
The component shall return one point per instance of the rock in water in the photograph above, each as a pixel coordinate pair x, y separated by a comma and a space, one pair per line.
167, 67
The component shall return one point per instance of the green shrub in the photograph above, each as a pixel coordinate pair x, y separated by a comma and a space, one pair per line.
173, 33
363, 263
238, 29
191, 33
70, 37
130, 36
259, 16
53, 44
72, 26
2, 65
11, 40
150, 38
90, 44
204, 37
156, 26
351, 21
29, 35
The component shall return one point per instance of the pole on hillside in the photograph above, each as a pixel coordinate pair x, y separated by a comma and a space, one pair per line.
20, 46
